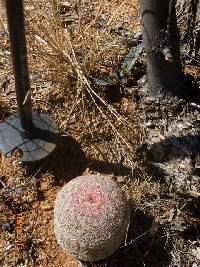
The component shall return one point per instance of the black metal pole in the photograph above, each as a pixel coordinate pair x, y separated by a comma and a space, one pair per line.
15, 16
34, 133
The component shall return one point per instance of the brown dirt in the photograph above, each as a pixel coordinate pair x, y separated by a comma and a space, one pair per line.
98, 153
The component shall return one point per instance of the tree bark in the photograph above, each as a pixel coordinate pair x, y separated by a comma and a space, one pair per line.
162, 44
188, 14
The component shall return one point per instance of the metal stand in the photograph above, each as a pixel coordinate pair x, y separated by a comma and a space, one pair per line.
33, 133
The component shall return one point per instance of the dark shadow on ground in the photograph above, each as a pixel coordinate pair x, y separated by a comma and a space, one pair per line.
146, 247
4, 112
69, 161
191, 92
170, 148
192, 215
175, 147
104, 167
192, 233
156, 173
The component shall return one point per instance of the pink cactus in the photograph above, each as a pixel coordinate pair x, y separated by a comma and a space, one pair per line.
91, 216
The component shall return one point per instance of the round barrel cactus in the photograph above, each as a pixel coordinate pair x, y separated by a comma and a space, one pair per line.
91, 216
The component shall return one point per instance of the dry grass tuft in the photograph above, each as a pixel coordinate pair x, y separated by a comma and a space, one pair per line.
70, 44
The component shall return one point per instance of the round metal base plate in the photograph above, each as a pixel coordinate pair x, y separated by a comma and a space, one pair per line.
35, 145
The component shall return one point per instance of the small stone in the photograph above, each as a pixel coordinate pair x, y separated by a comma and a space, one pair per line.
46, 206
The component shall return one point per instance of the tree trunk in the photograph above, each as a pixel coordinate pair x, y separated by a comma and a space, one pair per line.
188, 14
161, 41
